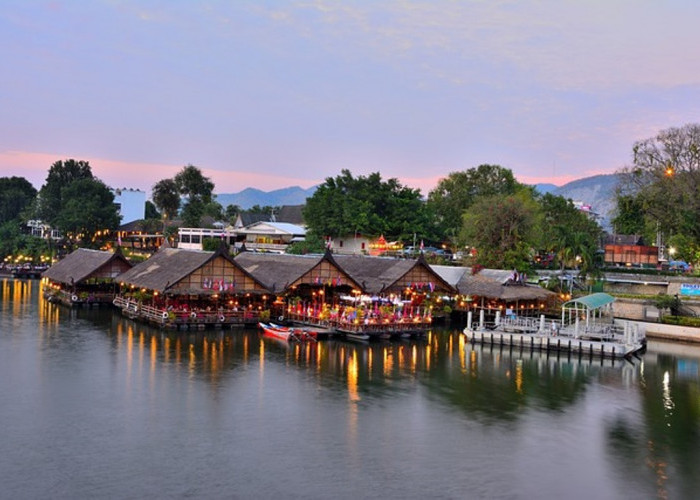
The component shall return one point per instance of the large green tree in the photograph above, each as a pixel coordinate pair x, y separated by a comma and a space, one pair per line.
460, 190
503, 229
664, 182
569, 233
166, 197
88, 210
193, 185
61, 175
367, 205
16, 195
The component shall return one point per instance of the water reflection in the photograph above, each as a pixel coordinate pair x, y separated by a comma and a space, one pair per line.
637, 422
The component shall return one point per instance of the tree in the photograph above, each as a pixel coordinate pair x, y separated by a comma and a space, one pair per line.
665, 180
61, 175
345, 205
232, 211
88, 210
16, 195
568, 233
311, 244
196, 190
192, 213
629, 215
503, 229
460, 190
192, 185
166, 197
151, 212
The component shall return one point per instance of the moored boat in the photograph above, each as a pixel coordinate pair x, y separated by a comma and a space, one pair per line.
288, 334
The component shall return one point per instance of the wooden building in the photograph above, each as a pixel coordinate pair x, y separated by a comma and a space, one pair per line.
309, 286
494, 290
190, 288
85, 277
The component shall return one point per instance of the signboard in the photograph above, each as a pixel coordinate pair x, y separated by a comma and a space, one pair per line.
690, 289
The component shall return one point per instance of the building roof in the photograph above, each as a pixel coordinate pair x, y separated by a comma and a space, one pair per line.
292, 214
592, 302
82, 264
623, 239
247, 218
498, 284
278, 272
379, 274
168, 266
263, 227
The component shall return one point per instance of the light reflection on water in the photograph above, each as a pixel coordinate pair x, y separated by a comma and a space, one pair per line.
102, 406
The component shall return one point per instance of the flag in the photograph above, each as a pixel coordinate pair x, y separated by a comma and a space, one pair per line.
421, 245
329, 243
119, 239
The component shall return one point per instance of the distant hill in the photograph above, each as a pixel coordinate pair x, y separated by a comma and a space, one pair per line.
546, 188
250, 197
597, 191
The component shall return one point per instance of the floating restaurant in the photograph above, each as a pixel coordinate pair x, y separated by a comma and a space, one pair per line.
309, 286
359, 296
178, 288
85, 277
396, 296
496, 291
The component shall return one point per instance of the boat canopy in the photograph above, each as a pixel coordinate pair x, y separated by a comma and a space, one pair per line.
591, 302
588, 308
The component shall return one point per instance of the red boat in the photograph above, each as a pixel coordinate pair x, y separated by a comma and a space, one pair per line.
288, 334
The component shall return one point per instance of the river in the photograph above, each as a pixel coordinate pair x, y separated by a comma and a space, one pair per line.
96, 406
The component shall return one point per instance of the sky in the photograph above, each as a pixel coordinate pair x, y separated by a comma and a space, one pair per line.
271, 94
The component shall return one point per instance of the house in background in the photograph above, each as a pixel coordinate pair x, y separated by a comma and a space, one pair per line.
270, 236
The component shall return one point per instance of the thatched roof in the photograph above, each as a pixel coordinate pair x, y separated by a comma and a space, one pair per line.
280, 271
378, 274
498, 284
84, 263
291, 213
169, 266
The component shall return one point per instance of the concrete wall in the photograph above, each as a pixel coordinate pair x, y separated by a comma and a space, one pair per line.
644, 314
646, 284
666, 332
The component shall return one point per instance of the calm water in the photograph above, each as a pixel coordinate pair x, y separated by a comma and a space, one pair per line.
96, 406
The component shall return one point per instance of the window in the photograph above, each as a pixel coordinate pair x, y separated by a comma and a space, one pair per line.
184, 238
196, 238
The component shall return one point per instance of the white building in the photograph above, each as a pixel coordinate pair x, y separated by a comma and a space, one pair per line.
351, 245
191, 238
270, 236
131, 204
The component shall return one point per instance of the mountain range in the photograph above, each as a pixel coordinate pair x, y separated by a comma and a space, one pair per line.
597, 191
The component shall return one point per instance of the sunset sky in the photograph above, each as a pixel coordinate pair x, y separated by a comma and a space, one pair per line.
271, 94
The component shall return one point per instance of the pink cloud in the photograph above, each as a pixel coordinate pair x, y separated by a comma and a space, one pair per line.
35, 167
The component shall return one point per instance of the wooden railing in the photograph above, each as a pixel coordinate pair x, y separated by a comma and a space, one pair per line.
166, 317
